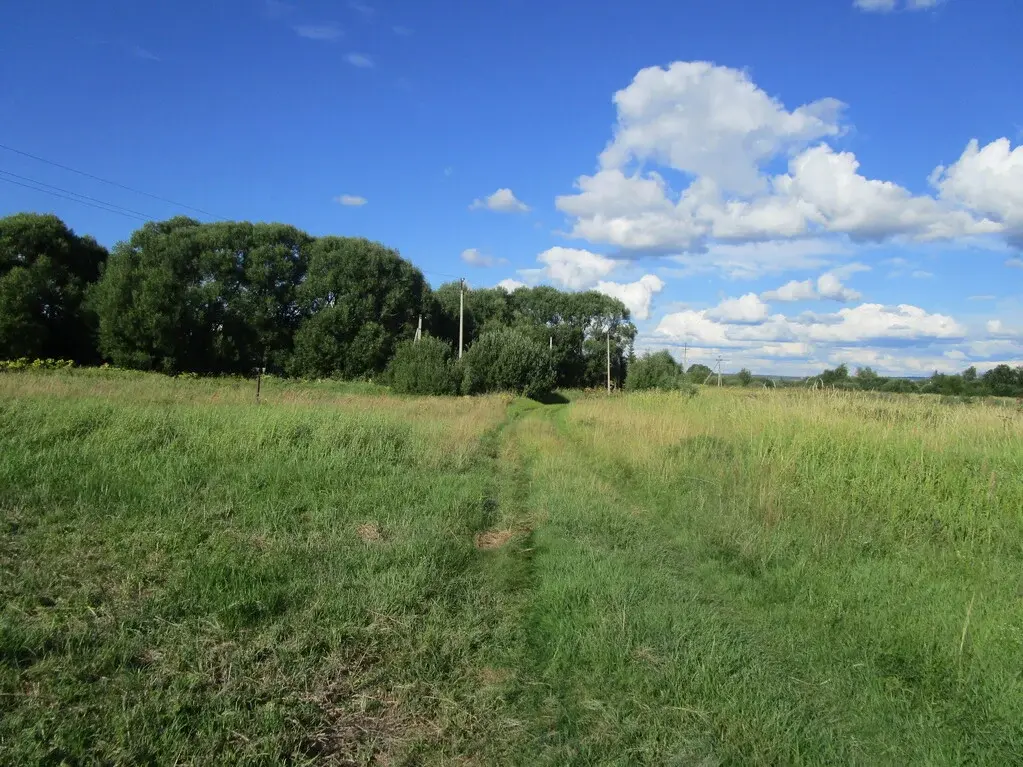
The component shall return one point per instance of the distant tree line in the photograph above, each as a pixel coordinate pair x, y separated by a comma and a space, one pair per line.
659, 370
999, 381
226, 298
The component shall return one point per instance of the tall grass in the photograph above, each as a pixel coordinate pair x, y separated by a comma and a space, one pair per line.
338, 575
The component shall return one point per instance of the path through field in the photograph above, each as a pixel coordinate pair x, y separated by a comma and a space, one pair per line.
351, 578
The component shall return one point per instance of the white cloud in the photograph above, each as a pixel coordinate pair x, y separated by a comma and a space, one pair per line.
711, 121
988, 180
323, 32
351, 200
872, 322
997, 329
360, 60
474, 257
887, 6
572, 268
715, 126
503, 201
795, 290
144, 53
750, 260
747, 309
510, 285
866, 323
1015, 263
366, 11
828, 286
637, 296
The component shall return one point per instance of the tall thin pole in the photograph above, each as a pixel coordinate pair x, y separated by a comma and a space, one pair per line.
461, 315
685, 356
609, 361
419, 330
719, 371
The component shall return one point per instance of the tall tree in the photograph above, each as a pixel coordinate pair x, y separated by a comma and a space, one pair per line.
360, 299
209, 298
45, 273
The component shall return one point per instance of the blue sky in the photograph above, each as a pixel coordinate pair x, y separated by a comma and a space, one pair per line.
789, 184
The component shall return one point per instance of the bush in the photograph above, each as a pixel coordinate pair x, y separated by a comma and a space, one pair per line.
654, 371
422, 368
507, 360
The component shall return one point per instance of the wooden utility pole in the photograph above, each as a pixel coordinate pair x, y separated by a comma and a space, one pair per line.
461, 315
719, 370
609, 360
419, 330
685, 356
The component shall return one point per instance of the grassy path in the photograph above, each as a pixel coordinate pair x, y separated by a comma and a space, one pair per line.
337, 577
656, 629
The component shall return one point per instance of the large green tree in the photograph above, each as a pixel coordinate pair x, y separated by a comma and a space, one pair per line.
359, 299
45, 274
208, 298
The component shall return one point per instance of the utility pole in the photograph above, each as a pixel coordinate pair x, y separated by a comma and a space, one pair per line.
685, 356
719, 370
551, 347
609, 360
419, 330
461, 314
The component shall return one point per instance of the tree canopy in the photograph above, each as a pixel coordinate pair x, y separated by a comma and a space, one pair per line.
45, 274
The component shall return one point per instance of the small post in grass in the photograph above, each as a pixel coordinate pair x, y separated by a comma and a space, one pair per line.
259, 378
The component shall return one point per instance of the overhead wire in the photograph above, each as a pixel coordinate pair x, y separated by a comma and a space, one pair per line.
101, 206
111, 183
139, 213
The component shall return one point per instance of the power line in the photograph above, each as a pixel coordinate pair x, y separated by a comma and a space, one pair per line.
77, 194
111, 183
72, 199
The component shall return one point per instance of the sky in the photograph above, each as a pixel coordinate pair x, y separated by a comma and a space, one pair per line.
788, 185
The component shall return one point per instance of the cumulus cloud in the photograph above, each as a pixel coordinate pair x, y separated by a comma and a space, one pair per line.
717, 127
572, 268
828, 286
747, 309
351, 200
510, 285
1015, 263
474, 257
503, 201
864, 323
637, 296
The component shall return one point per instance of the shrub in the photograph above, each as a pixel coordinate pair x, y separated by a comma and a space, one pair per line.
654, 371
422, 368
507, 360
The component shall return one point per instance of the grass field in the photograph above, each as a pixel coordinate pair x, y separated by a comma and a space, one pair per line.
341, 576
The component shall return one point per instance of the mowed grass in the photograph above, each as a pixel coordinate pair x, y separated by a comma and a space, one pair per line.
342, 576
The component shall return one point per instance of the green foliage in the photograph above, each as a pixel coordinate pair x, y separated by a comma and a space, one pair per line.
360, 299
745, 377
207, 298
422, 368
507, 360
45, 273
23, 363
571, 325
698, 373
1003, 381
657, 370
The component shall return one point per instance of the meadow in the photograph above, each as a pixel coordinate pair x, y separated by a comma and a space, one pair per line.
338, 575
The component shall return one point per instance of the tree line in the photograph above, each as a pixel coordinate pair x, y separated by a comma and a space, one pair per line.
229, 297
